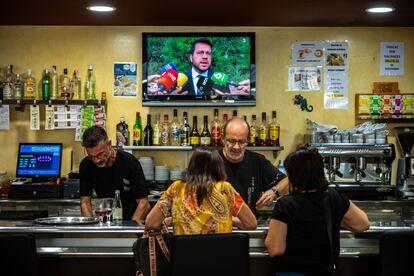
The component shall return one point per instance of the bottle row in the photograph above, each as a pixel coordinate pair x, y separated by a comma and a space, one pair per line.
53, 87
176, 133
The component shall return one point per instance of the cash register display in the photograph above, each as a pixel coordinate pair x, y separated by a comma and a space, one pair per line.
39, 161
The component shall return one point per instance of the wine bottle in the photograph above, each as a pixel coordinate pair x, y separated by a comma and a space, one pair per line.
194, 136
117, 206
148, 132
184, 131
205, 137
216, 129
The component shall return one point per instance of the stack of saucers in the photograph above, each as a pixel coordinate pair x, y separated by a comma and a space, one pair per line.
147, 165
161, 173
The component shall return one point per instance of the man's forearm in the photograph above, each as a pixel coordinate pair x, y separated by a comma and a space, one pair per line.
142, 209
86, 208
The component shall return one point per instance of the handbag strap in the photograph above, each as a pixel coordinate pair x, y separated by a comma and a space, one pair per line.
328, 219
152, 256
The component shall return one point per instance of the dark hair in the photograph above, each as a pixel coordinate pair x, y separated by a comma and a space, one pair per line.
305, 169
200, 40
93, 135
232, 120
205, 168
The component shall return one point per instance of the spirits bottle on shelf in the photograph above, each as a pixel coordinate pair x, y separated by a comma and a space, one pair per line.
46, 88
137, 131
165, 132
75, 86
216, 129
122, 133
274, 131
64, 85
194, 136
185, 131
156, 136
9, 83
254, 133
263, 131
54, 84
175, 129
29, 86
90, 84
148, 132
18, 87
205, 137
234, 114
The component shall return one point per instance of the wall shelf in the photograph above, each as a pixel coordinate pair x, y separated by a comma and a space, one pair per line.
53, 102
188, 148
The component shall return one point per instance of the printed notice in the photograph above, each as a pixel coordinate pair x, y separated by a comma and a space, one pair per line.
392, 59
34, 117
125, 79
304, 78
4, 117
308, 52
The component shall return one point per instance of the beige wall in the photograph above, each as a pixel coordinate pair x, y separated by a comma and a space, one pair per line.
75, 47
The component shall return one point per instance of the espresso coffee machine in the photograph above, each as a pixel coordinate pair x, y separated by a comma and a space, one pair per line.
405, 171
360, 171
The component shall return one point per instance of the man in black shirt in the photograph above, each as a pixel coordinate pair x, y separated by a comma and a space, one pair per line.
106, 170
250, 173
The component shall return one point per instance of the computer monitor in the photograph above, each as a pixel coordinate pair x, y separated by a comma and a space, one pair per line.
39, 160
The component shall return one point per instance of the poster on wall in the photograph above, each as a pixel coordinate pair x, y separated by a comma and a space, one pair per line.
336, 76
4, 117
392, 59
304, 78
308, 52
125, 79
34, 117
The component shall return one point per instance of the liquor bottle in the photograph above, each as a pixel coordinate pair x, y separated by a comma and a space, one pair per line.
216, 129
263, 131
137, 131
148, 132
245, 118
18, 87
165, 131
225, 119
175, 130
254, 133
156, 136
205, 137
8, 86
64, 85
2, 79
184, 131
122, 133
234, 113
29, 86
194, 136
46, 89
90, 84
274, 131
117, 207
75, 86
55, 84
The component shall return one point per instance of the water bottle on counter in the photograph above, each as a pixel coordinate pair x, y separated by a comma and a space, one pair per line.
117, 207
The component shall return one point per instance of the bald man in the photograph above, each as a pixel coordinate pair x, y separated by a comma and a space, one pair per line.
250, 173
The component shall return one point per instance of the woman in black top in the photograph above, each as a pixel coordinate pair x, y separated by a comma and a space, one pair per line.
297, 230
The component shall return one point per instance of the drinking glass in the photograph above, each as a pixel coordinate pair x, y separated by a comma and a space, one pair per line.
103, 209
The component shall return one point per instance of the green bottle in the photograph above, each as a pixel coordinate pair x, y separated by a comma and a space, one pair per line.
46, 89
137, 131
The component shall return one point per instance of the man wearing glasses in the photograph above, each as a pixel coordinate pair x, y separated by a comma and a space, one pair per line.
250, 173
105, 170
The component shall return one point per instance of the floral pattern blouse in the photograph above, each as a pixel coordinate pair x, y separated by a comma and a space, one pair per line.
213, 215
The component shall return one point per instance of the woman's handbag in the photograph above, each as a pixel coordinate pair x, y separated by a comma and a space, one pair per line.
152, 253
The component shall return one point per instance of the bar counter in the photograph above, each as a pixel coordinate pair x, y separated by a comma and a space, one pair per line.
114, 241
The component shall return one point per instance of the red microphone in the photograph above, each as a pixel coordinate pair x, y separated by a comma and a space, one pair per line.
167, 80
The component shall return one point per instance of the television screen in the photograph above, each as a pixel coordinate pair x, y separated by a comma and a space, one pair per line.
39, 160
198, 69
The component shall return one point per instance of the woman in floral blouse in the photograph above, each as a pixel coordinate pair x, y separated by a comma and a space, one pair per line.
204, 203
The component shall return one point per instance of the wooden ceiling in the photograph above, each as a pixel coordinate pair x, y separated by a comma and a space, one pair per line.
327, 13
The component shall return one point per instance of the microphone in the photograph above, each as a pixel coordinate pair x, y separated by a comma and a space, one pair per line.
222, 79
167, 80
204, 86
169, 65
182, 79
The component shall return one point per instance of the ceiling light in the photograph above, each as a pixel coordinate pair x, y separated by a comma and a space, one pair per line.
101, 8
380, 10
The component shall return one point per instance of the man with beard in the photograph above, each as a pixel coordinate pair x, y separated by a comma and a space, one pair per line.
250, 173
105, 170
200, 58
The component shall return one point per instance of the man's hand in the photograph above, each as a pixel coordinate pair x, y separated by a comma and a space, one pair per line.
266, 199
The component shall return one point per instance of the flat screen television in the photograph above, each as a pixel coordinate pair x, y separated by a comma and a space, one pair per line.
198, 69
39, 160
